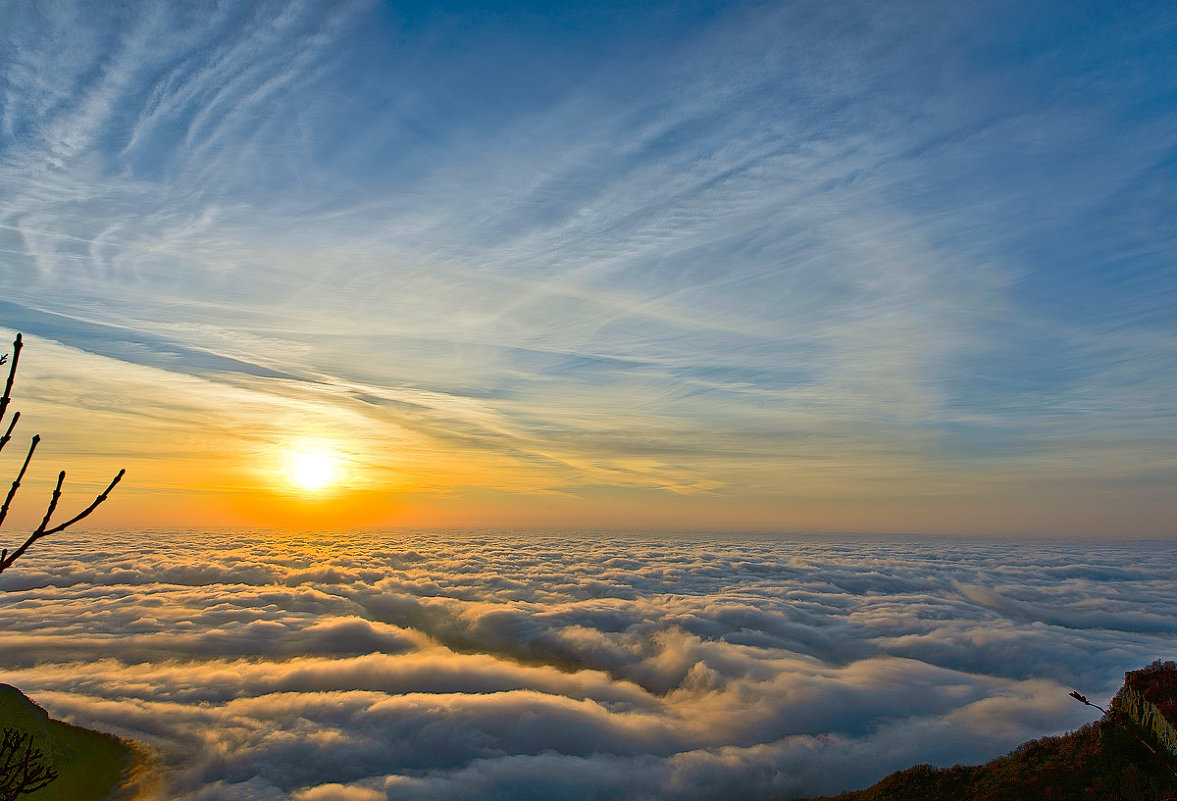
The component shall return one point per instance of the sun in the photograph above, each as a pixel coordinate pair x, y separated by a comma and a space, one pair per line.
313, 468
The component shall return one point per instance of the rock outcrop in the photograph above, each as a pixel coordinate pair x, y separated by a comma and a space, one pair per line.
1129, 755
1149, 698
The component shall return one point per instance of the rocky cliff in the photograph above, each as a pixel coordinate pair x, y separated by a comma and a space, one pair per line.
1129, 755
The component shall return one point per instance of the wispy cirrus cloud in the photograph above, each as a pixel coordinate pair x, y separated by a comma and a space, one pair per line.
677, 250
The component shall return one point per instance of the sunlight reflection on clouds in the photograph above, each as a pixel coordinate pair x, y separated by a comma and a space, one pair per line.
473, 666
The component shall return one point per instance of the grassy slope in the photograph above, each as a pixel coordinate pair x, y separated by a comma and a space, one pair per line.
90, 764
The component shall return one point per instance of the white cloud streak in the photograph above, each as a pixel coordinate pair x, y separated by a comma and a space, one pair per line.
774, 239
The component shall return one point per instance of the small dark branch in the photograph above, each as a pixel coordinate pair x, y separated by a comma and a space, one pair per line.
52, 503
86, 512
41, 531
23, 768
1083, 700
9, 750
16, 482
17, 344
8, 434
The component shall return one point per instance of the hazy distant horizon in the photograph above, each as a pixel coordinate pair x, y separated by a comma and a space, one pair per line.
915, 537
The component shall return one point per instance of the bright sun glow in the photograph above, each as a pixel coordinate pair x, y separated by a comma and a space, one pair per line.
311, 468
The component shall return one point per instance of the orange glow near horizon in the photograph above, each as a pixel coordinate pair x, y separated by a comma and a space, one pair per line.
280, 456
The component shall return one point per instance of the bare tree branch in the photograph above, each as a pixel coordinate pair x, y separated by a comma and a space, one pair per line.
19, 476
17, 344
8, 434
23, 768
42, 530
53, 499
85, 512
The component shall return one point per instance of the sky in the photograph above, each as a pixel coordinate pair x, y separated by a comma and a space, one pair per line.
792, 266
487, 667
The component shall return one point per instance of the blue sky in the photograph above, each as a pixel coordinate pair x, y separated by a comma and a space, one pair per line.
789, 265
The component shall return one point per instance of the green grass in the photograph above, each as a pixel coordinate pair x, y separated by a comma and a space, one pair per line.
89, 764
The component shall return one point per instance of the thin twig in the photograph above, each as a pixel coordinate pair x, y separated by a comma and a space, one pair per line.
86, 512
41, 531
1083, 700
17, 344
8, 434
16, 482
53, 499
24, 769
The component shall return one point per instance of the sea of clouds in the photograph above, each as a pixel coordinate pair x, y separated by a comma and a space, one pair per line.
509, 666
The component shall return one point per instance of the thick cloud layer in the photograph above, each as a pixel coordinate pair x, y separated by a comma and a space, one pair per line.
515, 667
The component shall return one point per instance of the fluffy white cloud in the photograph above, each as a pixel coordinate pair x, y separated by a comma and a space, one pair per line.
509, 667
